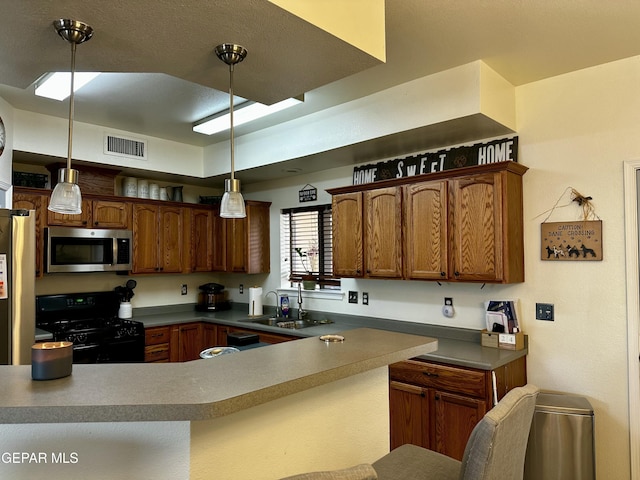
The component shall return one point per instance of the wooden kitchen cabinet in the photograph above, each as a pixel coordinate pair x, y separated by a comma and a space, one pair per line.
246, 249
186, 342
158, 238
23, 199
157, 344
461, 225
383, 232
437, 406
425, 228
95, 214
201, 236
348, 252
487, 230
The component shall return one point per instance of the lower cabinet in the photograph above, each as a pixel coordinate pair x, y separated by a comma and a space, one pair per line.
437, 406
184, 342
156, 344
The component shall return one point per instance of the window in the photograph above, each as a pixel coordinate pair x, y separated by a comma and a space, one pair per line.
305, 246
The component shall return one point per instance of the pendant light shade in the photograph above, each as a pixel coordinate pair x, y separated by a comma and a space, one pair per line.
66, 197
232, 204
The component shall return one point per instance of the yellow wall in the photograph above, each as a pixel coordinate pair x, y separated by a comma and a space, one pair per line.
575, 130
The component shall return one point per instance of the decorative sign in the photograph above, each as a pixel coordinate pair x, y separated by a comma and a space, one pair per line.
571, 240
502, 150
309, 193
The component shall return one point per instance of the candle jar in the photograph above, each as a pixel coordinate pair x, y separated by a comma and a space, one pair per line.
51, 360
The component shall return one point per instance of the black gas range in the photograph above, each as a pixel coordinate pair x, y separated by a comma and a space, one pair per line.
90, 321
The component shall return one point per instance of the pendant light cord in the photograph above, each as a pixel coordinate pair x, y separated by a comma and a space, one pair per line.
231, 119
71, 106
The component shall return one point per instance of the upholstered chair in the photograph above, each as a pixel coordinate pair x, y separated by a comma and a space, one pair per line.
495, 450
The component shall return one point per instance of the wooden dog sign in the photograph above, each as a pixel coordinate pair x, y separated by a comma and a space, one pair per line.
571, 240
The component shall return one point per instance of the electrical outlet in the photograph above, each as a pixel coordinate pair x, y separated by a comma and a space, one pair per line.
183, 290
241, 288
544, 311
365, 298
353, 297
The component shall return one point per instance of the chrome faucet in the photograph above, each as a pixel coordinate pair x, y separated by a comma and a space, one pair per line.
277, 298
300, 311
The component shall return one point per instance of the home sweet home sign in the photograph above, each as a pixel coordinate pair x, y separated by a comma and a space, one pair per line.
502, 150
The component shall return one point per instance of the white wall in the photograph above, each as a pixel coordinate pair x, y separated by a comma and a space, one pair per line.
47, 135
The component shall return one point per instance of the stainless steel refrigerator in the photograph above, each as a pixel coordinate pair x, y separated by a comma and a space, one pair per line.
17, 286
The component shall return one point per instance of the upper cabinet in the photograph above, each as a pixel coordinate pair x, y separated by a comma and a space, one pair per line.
168, 237
461, 225
247, 240
158, 234
33, 200
383, 232
95, 214
346, 212
201, 234
425, 228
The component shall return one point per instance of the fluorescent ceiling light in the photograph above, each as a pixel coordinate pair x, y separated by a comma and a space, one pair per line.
56, 85
243, 113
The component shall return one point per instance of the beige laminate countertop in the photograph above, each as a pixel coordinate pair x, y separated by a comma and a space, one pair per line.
201, 389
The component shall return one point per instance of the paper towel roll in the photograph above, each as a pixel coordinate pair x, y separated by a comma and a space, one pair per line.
255, 301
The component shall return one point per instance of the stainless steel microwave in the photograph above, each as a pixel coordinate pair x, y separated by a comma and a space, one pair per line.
87, 250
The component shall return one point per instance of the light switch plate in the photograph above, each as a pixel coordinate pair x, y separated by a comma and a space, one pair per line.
353, 296
544, 311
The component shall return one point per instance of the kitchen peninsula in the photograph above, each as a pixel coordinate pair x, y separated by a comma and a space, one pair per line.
260, 413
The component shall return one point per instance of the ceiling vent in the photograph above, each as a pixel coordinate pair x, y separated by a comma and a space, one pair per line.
125, 147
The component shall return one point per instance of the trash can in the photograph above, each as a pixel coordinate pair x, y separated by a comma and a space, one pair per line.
561, 441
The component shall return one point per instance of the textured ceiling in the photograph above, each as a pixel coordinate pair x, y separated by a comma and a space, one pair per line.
179, 80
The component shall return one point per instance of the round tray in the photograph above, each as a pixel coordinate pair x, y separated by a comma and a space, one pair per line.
217, 351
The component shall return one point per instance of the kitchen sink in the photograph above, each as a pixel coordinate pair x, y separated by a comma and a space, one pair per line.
291, 323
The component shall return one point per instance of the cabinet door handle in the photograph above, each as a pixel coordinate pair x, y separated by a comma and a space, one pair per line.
437, 397
442, 274
84, 222
457, 274
96, 223
430, 374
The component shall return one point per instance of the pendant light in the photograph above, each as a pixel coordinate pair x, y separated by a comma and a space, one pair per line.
66, 197
232, 204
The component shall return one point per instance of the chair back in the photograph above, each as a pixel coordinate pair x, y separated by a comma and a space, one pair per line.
498, 444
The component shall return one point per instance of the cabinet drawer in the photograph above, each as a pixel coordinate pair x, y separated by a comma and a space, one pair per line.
157, 335
441, 377
156, 353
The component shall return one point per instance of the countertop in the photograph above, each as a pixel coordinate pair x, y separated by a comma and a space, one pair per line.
456, 346
202, 389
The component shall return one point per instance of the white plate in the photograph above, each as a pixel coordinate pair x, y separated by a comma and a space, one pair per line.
217, 351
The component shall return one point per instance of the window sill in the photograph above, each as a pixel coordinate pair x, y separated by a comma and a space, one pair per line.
321, 294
